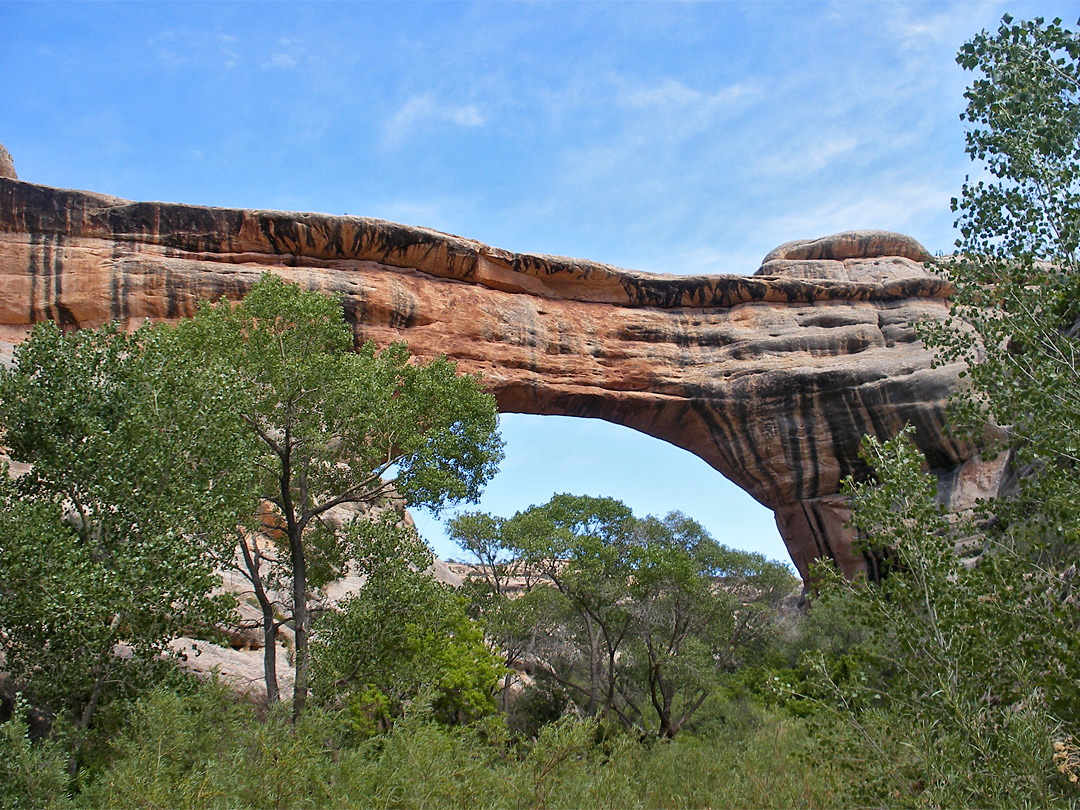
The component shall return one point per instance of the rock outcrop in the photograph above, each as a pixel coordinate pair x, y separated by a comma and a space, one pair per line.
7, 167
772, 378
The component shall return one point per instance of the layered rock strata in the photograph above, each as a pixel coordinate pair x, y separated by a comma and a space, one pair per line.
772, 378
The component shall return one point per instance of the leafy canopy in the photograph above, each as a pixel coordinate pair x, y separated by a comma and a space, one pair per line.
133, 494
326, 426
636, 619
347, 422
1017, 307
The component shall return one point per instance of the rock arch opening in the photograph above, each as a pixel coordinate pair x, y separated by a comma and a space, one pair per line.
546, 455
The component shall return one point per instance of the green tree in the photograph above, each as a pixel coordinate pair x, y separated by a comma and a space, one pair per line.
580, 545
1017, 307
329, 425
966, 664
699, 611
633, 618
112, 535
972, 669
401, 636
481, 535
492, 596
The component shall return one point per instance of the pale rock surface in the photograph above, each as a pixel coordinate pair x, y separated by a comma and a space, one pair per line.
7, 166
241, 669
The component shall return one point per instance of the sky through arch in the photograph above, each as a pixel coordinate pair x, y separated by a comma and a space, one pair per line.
546, 455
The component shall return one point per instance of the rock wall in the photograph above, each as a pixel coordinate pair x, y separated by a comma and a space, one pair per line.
772, 379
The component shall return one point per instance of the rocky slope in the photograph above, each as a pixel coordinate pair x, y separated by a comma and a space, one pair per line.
772, 378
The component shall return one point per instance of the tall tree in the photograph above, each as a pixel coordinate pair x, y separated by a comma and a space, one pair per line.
328, 425
971, 669
481, 535
699, 611
633, 617
512, 625
580, 545
113, 534
1017, 270
981, 661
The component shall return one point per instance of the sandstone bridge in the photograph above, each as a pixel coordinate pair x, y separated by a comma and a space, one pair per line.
772, 379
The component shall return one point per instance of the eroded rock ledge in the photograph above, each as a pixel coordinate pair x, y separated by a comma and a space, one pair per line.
772, 378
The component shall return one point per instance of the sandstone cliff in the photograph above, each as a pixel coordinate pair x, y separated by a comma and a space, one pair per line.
772, 378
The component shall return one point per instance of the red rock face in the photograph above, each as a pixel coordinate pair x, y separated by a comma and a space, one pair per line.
772, 379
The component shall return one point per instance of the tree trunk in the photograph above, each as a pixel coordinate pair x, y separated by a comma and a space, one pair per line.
594, 668
612, 651
504, 696
301, 621
105, 659
656, 692
666, 731
84, 721
667, 728
273, 694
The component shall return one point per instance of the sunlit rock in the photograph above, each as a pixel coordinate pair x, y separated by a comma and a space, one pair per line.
771, 378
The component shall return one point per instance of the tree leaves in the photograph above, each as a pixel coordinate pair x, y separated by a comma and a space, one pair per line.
326, 426
113, 535
636, 618
1017, 274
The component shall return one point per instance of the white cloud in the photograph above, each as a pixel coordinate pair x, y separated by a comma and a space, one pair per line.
466, 116
424, 110
180, 48
894, 208
288, 55
227, 47
674, 111
937, 29
673, 93
645, 131
282, 61
168, 48
805, 158
170, 58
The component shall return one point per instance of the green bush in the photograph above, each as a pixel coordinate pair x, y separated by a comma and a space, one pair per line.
206, 749
32, 774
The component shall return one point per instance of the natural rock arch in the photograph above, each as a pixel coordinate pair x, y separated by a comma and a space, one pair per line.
772, 379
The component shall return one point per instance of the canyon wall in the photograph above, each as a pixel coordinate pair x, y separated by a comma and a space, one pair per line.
772, 378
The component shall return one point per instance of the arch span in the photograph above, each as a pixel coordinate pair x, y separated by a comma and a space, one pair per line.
772, 379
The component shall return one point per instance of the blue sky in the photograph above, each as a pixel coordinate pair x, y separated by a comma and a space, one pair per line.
667, 137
